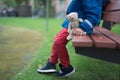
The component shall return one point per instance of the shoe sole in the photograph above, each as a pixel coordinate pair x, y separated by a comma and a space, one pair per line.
69, 73
46, 71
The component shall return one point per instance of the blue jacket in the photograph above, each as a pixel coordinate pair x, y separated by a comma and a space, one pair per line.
89, 10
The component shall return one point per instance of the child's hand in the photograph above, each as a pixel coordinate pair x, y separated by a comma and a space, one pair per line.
78, 32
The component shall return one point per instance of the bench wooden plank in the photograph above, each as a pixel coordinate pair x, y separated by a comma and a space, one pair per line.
99, 40
112, 11
113, 5
112, 16
110, 34
82, 41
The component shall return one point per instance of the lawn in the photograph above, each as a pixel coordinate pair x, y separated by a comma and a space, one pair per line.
86, 68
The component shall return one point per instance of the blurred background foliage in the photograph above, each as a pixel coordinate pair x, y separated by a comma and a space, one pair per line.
32, 7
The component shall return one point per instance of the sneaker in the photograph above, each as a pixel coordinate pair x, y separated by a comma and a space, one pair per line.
48, 68
64, 72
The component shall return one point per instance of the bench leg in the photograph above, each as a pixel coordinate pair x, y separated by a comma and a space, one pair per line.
107, 24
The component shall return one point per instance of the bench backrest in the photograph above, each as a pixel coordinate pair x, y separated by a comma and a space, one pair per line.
112, 11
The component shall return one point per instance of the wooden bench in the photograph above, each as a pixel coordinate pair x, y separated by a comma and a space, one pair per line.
102, 44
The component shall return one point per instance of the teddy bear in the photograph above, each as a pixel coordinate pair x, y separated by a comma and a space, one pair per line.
74, 23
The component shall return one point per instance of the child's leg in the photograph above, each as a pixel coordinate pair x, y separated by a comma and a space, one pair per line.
59, 50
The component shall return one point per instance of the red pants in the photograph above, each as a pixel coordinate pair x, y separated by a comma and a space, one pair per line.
59, 50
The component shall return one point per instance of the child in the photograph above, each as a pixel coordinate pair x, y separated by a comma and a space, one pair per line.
88, 10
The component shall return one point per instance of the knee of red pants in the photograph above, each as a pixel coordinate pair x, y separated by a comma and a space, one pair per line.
61, 38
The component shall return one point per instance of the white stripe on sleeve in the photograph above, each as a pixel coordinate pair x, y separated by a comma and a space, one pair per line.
89, 23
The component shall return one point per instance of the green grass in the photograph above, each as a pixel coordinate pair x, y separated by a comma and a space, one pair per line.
86, 68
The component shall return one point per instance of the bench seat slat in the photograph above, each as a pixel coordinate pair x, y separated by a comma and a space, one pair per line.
82, 41
110, 34
101, 41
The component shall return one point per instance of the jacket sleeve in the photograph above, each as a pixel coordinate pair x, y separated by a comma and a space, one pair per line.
92, 10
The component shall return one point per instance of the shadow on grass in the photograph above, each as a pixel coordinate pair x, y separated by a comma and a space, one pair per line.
17, 48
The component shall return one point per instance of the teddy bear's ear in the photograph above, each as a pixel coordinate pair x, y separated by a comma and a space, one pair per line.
67, 16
